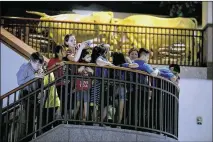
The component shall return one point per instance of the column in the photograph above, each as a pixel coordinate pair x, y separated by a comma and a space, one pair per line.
207, 24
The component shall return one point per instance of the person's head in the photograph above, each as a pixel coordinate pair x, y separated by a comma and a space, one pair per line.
36, 60
118, 58
85, 56
60, 52
143, 54
100, 50
69, 41
175, 68
133, 53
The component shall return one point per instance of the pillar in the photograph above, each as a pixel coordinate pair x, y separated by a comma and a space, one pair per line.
207, 24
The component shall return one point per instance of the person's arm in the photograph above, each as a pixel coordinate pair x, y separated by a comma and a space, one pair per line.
174, 79
169, 76
22, 75
101, 62
128, 60
130, 65
148, 68
126, 65
76, 57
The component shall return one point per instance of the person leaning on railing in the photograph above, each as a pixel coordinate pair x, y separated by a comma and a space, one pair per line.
142, 61
99, 58
27, 72
59, 60
119, 88
83, 86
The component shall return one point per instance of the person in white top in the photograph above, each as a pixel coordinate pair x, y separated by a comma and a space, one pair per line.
74, 49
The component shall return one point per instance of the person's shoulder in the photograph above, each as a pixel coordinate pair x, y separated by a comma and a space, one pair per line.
52, 61
101, 57
139, 61
25, 65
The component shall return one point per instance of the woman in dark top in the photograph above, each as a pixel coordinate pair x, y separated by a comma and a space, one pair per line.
98, 57
58, 60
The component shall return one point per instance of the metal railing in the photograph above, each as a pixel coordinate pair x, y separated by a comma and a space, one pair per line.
169, 45
112, 96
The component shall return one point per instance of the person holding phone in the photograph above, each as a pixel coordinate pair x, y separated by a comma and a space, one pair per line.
73, 49
29, 71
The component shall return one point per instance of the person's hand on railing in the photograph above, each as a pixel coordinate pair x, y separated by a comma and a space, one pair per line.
60, 63
89, 70
81, 69
133, 65
110, 64
155, 72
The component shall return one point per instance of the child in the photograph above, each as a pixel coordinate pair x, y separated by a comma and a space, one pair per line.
133, 55
83, 85
59, 60
118, 90
98, 57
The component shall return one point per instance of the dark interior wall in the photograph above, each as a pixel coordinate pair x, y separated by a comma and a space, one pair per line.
18, 8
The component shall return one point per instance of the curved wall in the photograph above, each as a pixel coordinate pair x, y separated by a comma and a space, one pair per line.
73, 133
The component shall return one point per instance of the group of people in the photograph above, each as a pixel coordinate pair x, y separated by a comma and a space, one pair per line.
90, 93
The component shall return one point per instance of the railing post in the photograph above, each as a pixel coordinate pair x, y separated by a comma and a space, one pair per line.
161, 106
41, 107
102, 94
136, 100
66, 92
26, 36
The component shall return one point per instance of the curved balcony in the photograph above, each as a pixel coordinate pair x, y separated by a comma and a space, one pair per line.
112, 100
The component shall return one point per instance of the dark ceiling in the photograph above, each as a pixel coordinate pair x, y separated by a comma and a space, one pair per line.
16, 8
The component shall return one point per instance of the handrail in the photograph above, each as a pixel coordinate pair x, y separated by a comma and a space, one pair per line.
17, 43
93, 65
106, 24
26, 84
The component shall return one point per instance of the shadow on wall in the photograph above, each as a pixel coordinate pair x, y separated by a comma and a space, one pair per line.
10, 64
195, 100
